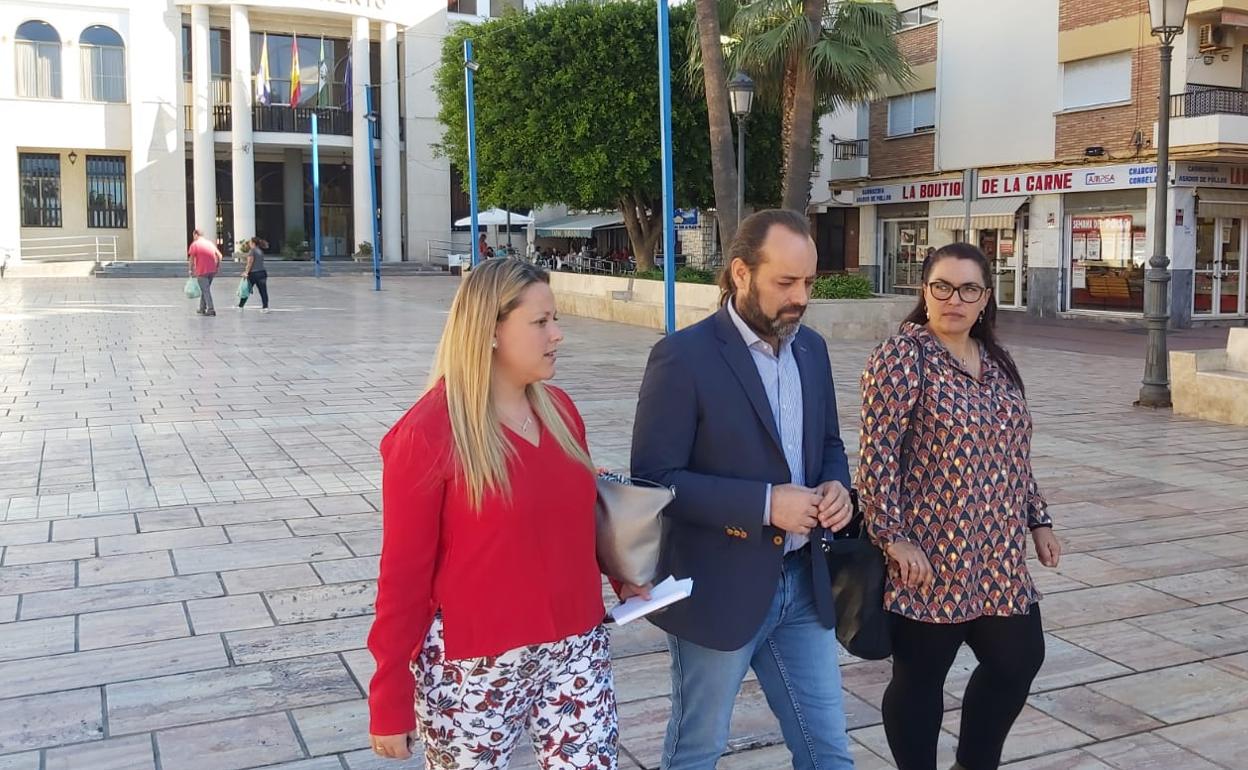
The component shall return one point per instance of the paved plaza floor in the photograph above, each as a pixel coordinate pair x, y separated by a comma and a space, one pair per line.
189, 532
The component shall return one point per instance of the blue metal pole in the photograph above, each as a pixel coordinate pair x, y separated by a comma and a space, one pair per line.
669, 203
472, 148
316, 197
372, 183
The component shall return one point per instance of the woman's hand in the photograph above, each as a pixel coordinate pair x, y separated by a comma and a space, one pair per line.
1048, 547
628, 591
916, 571
393, 746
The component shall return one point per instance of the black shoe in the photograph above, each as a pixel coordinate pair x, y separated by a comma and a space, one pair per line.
200, 312
211, 312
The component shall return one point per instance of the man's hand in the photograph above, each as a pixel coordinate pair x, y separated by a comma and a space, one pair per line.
835, 507
794, 508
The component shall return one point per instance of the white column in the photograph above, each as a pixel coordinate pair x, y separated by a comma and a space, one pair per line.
428, 178
391, 163
203, 154
242, 151
361, 194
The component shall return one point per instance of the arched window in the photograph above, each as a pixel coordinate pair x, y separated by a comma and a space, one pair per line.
103, 65
38, 61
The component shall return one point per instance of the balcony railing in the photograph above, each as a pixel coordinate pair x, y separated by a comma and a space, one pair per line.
1209, 100
849, 149
281, 118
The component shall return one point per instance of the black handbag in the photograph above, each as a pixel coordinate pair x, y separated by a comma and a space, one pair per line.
857, 569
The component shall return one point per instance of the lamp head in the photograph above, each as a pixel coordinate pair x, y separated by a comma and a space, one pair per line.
1167, 17
741, 94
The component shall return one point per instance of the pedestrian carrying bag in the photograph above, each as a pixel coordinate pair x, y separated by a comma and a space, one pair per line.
192, 288
244, 288
857, 567
630, 527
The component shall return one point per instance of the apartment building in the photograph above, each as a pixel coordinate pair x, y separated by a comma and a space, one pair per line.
130, 124
1029, 130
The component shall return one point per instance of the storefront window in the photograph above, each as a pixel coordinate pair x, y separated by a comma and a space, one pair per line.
1107, 261
906, 244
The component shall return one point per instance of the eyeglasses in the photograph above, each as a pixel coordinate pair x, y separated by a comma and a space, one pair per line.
969, 292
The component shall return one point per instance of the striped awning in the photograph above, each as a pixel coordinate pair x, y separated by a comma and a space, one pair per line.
986, 213
1216, 202
580, 226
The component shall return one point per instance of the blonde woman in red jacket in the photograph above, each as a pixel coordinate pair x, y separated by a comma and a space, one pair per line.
489, 603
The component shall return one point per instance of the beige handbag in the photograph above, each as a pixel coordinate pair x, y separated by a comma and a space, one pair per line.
630, 528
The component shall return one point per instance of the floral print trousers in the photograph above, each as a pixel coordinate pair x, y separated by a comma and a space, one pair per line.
472, 713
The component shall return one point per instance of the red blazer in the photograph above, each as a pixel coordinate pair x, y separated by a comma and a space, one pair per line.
520, 571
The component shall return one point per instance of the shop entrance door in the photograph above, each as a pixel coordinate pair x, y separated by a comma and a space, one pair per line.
1002, 249
1218, 289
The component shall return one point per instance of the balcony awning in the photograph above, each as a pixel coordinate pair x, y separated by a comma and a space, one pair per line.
986, 213
1217, 202
579, 226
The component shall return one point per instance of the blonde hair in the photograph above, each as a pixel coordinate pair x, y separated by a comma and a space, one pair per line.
465, 363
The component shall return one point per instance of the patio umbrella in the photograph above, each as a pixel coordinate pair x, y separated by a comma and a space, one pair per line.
495, 217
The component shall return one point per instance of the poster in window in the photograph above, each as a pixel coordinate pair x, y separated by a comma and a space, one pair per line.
1079, 247
1093, 250
1079, 277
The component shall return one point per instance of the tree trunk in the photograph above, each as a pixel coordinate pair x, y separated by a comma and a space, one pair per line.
644, 227
723, 157
798, 149
787, 95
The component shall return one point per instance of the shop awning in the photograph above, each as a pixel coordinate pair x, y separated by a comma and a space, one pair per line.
1216, 202
986, 213
579, 226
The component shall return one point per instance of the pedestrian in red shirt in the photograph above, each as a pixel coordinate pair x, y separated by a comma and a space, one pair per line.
203, 260
489, 602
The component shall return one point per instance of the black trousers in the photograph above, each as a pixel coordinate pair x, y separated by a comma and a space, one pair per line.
258, 280
1010, 651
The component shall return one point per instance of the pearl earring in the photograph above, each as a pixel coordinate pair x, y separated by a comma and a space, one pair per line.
494, 344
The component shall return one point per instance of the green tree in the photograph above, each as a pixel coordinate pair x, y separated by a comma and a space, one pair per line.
567, 112
810, 57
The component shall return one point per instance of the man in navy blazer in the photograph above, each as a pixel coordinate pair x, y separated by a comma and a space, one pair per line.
738, 414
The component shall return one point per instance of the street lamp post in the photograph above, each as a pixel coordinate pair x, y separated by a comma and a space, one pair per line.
741, 94
470, 69
1168, 18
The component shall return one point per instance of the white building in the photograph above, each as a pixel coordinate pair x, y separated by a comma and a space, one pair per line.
127, 125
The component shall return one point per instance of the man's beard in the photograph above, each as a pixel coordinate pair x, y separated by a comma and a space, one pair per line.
775, 328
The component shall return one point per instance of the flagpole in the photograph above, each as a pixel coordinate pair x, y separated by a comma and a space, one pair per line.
372, 180
316, 196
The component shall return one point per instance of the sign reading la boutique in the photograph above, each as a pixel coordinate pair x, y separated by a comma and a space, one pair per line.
934, 190
1087, 179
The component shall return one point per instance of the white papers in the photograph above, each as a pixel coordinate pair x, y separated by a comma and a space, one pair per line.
668, 592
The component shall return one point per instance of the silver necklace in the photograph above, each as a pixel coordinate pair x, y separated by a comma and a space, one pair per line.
524, 428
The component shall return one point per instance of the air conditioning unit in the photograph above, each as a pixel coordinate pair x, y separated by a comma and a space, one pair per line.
1212, 37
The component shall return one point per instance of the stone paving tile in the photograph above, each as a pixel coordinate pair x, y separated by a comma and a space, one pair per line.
1066, 760
230, 745
161, 540
136, 593
270, 578
1213, 630
8, 609
118, 664
1179, 694
334, 727
261, 530
36, 721
132, 752
208, 696
228, 613
98, 526
1093, 713
171, 518
1111, 602
24, 533
338, 600
297, 640
1034, 734
248, 513
323, 525
119, 569
35, 578
16, 555
1218, 739
1148, 752
269, 553
24, 761
36, 638
114, 628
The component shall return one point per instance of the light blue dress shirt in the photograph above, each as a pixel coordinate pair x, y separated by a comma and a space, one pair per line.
783, 383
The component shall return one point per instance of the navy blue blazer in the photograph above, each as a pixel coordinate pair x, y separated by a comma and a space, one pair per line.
704, 426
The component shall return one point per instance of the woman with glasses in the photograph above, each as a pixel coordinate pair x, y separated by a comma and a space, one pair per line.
948, 494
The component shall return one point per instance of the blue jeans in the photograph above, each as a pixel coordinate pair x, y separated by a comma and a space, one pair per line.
794, 657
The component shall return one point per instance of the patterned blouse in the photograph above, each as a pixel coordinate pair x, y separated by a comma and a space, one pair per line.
968, 498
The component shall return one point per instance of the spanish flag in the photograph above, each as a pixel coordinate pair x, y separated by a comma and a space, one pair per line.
294, 71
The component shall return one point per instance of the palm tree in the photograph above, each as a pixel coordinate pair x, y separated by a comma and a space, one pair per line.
709, 43
810, 55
